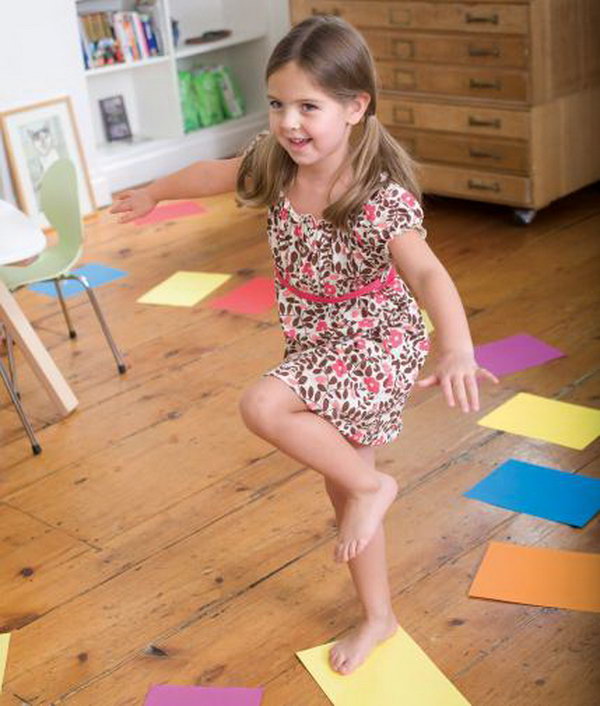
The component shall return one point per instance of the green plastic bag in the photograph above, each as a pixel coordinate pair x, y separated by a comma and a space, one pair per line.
208, 99
231, 97
188, 101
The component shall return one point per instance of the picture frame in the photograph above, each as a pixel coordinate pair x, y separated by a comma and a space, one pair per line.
114, 118
35, 136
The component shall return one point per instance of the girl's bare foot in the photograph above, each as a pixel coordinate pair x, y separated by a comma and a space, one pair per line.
362, 515
350, 652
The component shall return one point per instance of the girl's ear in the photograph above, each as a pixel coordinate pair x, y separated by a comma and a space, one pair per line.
357, 108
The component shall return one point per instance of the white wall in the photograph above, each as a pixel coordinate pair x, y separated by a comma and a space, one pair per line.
40, 59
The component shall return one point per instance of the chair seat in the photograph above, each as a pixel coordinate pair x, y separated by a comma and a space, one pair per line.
51, 264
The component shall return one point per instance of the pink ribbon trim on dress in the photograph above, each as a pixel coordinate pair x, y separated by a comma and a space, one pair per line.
372, 287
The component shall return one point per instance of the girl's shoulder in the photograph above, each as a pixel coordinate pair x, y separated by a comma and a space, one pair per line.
392, 194
393, 209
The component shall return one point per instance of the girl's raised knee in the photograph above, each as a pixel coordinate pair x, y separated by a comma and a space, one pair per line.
256, 409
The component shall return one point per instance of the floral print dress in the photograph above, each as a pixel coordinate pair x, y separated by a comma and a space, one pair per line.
352, 356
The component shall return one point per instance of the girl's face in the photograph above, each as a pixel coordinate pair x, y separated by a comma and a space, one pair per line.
309, 124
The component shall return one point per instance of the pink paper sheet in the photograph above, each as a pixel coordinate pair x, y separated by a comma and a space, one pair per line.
168, 695
253, 297
168, 211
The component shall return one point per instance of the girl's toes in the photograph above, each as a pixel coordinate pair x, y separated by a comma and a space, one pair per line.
351, 550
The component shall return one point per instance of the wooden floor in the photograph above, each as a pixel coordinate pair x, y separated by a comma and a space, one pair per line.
155, 540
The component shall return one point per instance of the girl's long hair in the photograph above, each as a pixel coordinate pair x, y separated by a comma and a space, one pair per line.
337, 58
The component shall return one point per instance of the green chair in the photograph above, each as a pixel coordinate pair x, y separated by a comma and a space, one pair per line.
60, 204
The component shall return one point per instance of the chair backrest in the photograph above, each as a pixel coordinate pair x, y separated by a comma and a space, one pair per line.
60, 203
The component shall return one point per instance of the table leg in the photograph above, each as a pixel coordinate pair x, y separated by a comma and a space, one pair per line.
36, 355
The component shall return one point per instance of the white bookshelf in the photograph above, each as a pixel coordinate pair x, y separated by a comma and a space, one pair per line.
150, 87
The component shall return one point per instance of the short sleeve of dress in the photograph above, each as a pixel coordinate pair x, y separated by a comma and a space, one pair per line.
247, 149
395, 211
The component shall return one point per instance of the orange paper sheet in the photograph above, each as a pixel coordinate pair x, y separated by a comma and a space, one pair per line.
539, 576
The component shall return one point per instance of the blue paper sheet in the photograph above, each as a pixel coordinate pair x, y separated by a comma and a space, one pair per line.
540, 491
96, 273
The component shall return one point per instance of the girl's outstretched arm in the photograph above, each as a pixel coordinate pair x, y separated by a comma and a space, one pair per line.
205, 178
456, 370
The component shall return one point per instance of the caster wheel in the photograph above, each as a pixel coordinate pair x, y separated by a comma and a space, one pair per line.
122, 368
37, 449
72, 334
523, 216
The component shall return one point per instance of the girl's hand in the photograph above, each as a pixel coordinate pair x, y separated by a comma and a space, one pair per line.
457, 373
133, 204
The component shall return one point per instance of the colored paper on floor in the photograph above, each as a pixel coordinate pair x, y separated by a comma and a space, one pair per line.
561, 423
427, 321
539, 576
168, 695
397, 672
96, 273
4, 640
253, 297
169, 211
184, 288
540, 491
509, 355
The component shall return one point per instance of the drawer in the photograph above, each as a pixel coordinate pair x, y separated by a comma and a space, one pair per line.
455, 17
501, 84
478, 152
472, 50
475, 184
453, 118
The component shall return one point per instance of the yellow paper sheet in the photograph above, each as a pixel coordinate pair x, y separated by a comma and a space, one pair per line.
539, 576
397, 672
184, 288
4, 640
550, 420
427, 321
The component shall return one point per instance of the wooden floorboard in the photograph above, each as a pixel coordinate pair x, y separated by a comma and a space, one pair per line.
156, 540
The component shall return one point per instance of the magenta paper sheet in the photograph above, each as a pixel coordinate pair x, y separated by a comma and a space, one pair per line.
509, 355
170, 695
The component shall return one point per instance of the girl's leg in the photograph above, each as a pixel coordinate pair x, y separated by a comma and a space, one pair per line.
274, 412
370, 576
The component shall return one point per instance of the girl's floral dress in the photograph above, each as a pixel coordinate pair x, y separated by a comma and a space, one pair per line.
352, 360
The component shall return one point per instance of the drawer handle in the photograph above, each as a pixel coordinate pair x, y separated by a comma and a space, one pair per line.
335, 11
481, 19
483, 155
476, 83
482, 186
476, 122
475, 51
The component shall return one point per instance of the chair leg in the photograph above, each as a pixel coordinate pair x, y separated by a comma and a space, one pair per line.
35, 447
94, 302
63, 306
12, 367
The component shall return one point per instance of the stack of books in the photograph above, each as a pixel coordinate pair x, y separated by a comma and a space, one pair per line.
118, 37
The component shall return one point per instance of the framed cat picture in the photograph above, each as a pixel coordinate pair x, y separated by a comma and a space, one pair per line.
35, 136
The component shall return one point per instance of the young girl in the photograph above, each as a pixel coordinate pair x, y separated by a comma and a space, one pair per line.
342, 217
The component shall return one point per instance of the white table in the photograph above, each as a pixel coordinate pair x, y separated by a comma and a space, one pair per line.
20, 239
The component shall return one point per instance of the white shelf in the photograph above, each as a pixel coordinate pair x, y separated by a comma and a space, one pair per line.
152, 88
128, 164
126, 66
231, 41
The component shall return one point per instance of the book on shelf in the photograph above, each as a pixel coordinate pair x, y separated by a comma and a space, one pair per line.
118, 37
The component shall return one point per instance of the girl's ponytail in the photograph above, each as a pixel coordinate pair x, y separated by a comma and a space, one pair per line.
375, 154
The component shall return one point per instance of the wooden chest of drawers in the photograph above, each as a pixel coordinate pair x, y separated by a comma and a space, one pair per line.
497, 101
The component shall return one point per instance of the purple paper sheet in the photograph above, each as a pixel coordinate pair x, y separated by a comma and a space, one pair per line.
170, 695
509, 355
